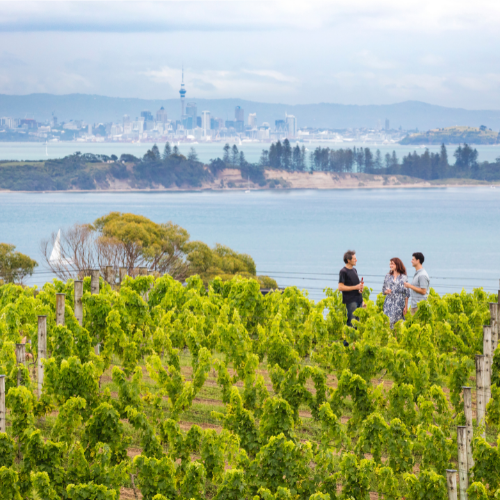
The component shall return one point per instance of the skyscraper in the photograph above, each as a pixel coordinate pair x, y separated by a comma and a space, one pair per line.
161, 115
239, 114
387, 125
205, 122
191, 110
182, 92
252, 120
291, 125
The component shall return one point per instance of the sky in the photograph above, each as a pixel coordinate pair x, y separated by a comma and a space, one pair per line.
295, 52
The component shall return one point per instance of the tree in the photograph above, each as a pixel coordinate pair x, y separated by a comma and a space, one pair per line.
118, 240
14, 266
167, 151
242, 160
466, 157
192, 156
234, 155
443, 165
226, 158
176, 150
264, 158
287, 154
296, 158
378, 160
156, 153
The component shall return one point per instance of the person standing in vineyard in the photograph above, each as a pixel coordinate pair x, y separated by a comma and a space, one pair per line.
396, 301
420, 284
350, 286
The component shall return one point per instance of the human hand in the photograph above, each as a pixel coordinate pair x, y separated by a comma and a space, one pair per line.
405, 310
388, 291
359, 287
363, 305
406, 284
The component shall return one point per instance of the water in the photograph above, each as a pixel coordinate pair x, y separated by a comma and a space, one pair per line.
299, 237
206, 151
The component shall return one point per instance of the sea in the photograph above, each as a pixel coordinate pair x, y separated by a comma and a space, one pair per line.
298, 237
206, 151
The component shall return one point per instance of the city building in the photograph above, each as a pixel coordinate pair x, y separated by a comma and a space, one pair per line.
191, 110
205, 122
252, 120
291, 125
387, 125
161, 115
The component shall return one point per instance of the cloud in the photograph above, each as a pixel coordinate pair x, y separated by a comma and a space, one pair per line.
213, 83
248, 15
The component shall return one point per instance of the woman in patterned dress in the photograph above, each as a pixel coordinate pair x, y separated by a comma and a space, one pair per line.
396, 300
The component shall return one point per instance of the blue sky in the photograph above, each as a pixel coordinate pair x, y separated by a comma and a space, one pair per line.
351, 52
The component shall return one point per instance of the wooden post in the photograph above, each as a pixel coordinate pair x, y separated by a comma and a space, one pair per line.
42, 350
94, 281
467, 393
111, 276
2, 403
143, 271
35, 293
94, 290
451, 482
480, 394
462, 461
20, 360
488, 362
122, 274
495, 325
78, 291
60, 301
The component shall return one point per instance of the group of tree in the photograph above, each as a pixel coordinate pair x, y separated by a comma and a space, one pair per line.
426, 165
124, 240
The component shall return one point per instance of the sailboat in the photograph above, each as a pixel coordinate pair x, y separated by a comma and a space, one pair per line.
247, 190
56, 256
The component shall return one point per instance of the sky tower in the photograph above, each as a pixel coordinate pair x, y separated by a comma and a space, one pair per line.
182, 92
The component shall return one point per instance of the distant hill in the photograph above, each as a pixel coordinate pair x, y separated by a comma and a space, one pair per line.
454, 135
96, 109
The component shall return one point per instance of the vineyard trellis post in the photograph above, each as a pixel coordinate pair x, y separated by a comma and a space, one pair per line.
60, 301
462, 461
78, 289
94, 281
451, 483
143, 271
480, 392
94, 290
2, 403
42, 350
122, 273
495, 324
467, 394
488, 361
20, 360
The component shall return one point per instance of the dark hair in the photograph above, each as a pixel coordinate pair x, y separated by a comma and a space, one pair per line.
400, 267
349, 255
419, 256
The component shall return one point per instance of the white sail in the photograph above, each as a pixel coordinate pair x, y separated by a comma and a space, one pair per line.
55, 256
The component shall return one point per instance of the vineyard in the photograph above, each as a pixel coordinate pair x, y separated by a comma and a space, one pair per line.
162, 391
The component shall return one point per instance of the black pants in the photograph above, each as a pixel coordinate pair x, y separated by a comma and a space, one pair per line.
351, 307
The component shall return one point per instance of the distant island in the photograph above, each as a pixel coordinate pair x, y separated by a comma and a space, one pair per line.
282, 166
453, 135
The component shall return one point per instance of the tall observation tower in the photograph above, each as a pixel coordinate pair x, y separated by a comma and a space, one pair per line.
182, 92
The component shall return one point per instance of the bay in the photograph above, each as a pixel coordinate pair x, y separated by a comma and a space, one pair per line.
205, 151
299, 236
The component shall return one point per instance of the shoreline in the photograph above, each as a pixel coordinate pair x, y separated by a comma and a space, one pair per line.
231, 179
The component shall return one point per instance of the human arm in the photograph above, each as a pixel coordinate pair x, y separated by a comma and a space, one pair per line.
421, 291
385, 287
345, 288
405, 310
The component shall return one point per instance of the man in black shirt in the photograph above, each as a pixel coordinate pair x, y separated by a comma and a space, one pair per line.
350, 286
